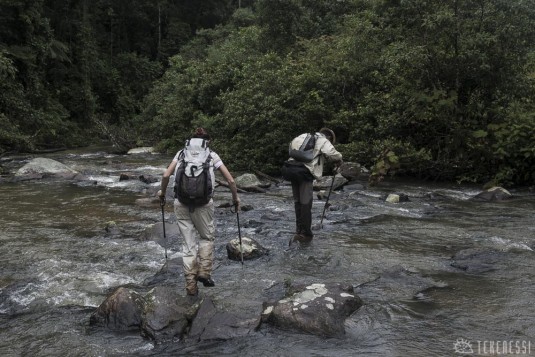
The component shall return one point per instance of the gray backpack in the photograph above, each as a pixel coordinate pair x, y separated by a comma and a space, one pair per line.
193, 181
305, 153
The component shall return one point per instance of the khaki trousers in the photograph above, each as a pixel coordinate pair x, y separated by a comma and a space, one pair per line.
198, 254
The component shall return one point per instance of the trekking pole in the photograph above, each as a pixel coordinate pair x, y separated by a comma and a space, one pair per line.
327, 201
162, 204
239, 233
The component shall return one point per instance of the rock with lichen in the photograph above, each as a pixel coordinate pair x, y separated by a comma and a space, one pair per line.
318, 309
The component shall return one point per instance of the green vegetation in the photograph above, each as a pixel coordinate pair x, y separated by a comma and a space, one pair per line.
440, 90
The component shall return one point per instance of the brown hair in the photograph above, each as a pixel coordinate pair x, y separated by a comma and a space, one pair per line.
201, 133
329, 134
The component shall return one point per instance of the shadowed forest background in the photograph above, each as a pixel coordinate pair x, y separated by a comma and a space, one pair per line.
440, 90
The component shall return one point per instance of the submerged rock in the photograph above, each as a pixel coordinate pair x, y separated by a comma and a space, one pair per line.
397, 283
319, 309
478, 260
493, 194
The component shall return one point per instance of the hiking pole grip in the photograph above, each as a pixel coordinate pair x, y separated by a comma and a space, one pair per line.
239, 234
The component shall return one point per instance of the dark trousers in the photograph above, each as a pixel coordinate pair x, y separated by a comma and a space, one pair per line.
303, 195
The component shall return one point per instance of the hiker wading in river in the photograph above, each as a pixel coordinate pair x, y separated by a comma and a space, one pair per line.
308, 152
193, 168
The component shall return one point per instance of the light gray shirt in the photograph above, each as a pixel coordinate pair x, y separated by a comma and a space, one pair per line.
323, 150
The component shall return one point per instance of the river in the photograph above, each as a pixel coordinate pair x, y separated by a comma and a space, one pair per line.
58, 263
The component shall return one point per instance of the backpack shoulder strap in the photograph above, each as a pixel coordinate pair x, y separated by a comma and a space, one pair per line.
181, 155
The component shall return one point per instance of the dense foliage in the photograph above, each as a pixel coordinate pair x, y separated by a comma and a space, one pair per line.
436, 89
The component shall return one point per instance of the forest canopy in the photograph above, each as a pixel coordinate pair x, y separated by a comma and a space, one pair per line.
433, 89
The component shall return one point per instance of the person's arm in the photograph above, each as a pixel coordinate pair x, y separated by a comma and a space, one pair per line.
331, 153
165, 178
231, 184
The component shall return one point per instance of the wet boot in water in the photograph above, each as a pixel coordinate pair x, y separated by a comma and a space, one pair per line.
206, 281
206, 258
191, 285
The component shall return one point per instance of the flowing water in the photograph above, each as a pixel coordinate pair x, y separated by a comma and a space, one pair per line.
58, 263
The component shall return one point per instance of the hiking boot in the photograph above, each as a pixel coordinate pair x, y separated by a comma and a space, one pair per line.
209, 282
296, 238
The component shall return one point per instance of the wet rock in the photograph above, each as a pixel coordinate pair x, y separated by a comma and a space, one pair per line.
210, 324
160, 315
350, 170
148, 179
121, 311
246, 208
254, 189
354, 187
253, 224
322, 195
40, 168
493, 194
141, 150
272, 217
112, 229
250, 183
319, 309
147, 201
478, 260
171, 269
124, 177
251, 249
163, 315
166, 314
397, 198
397, 283
325, 182
155, 233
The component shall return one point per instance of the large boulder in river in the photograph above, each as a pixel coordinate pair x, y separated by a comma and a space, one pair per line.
326, 182
161, 314
166, 314
319, 309
211, 324
121, 311
350, 170
39, 168
250, 183
141, 150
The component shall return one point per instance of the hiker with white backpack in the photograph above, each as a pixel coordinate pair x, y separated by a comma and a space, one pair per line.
308, 153
193, 168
